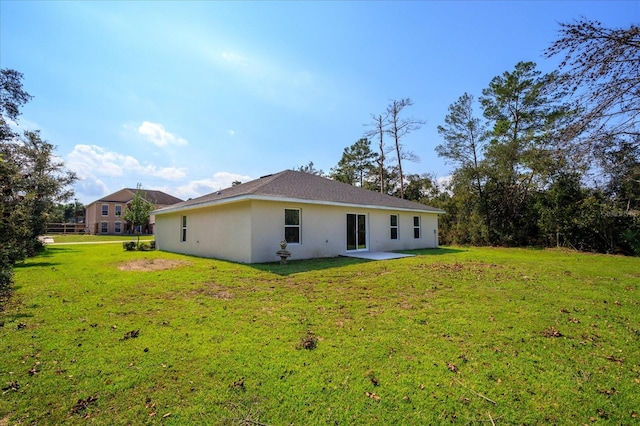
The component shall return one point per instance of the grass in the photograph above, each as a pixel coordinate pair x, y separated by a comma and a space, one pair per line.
87, 238
469, 336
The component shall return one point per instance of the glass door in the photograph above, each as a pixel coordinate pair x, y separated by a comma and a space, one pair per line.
356, 231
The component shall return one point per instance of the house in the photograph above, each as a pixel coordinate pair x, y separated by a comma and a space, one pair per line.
318, 217
105, 216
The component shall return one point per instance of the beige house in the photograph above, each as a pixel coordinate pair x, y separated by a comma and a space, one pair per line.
106, 215
318, 217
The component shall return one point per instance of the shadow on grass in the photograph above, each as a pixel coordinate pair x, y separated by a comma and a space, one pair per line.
35, 265
434, 251
307, 265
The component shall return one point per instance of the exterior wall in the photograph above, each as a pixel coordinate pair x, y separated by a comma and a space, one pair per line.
94, 218
324, 230
250, 231
222, 232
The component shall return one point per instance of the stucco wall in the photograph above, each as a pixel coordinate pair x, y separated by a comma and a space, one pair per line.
324, 230
222, 232
250, 231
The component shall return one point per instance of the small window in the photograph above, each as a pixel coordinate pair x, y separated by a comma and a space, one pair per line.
394, 226
183, 230
292, 226
118, 210
416, 227
104, 227
117, 227
105, 210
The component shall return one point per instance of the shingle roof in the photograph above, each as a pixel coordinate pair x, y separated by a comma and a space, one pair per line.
158, 198
293, 185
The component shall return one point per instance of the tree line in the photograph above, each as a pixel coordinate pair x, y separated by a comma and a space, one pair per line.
548, 160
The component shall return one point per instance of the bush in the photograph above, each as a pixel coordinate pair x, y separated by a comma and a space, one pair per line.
144, 246
129, 245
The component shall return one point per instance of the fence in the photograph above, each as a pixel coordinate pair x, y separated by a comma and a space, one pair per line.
66, 228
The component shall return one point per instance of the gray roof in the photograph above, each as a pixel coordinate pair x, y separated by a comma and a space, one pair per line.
150, 195
290, 185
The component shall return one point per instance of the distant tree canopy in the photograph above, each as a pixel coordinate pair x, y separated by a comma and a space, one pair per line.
550, 159
32, 181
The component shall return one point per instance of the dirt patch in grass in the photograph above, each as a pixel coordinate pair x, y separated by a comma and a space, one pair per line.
152, 265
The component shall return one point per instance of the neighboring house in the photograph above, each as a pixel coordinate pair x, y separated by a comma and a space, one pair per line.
106, 215
318, 217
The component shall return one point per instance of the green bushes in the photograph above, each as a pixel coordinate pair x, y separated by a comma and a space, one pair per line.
143, 246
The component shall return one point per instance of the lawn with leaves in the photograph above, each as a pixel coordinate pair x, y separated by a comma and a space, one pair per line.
470, 336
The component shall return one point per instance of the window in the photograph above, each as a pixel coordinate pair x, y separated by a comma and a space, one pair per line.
117, 228
394, 226
292, 226
118, 211
183, 233
416, 227
105, 210
104, 227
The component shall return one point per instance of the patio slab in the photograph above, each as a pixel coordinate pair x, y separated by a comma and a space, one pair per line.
377, 255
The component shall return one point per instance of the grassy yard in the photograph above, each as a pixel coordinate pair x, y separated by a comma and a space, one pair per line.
94, 334
86, 238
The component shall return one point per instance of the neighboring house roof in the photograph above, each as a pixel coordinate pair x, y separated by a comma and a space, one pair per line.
125, 195
291, 185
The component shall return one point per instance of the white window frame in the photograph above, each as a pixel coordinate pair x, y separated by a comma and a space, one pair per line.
115, 210
104, 227
102, 209
393, 227
298, 226
117, 227
183, 229
417, 227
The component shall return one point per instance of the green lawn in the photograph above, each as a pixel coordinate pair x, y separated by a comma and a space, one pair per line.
469, 336
86, 238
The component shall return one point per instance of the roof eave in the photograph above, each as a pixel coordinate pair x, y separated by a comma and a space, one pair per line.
248, 197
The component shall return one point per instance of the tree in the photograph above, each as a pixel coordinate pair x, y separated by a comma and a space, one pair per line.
32, 181
421, 188
464, 137
310, 169
378, 130
138, 211
357, 162
12, 97
603, 71
398, 128
525, 111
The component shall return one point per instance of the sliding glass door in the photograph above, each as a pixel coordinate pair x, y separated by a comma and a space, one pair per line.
356, 231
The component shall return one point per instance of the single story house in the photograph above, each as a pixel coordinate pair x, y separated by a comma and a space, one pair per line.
318, 217
105, 216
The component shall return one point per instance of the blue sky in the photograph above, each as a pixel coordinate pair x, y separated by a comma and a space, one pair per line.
186, 97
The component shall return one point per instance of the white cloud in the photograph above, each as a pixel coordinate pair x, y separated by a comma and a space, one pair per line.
220, 180
93, 160
157, 135
234, 58
101, 171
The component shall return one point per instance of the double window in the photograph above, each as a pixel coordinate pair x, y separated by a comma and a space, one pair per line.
416, 227
183, 229
394, 226
292, 226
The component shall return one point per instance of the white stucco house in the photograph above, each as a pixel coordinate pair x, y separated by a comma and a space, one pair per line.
318, 217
